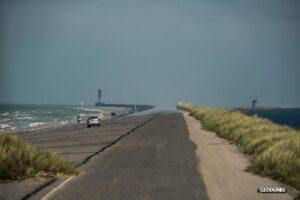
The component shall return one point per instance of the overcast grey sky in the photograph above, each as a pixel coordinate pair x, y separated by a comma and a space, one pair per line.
209, 52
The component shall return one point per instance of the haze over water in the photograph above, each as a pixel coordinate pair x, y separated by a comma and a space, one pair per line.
212, 53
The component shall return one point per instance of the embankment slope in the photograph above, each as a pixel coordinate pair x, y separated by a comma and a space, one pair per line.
222, 167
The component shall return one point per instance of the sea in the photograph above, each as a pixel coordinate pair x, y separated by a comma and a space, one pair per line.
31, 117
289, 117
17, 117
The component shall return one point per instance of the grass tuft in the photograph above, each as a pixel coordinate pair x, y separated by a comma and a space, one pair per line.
275, 149
19, 160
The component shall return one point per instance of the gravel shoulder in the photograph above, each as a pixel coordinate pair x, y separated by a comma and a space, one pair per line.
222, 167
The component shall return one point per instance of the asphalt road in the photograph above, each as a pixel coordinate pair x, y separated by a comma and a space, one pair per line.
155, 161
76, 143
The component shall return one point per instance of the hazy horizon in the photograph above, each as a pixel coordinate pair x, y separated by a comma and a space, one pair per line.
208, 52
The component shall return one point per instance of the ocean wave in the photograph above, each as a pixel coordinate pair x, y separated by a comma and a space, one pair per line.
5, 120
53, 124
5, 114
4, 125
64, 122
91, 109
34, 124
26, 118
17, 114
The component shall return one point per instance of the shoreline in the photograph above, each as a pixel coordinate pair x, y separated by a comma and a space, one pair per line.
16, 118
53, 126
15, 127
43, 127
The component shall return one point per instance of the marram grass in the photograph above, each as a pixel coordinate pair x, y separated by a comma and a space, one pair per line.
275, 149
19, 160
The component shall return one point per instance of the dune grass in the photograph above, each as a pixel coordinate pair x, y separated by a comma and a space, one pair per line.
19, 160
275, 149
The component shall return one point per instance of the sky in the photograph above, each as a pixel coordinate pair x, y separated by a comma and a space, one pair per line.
159, 52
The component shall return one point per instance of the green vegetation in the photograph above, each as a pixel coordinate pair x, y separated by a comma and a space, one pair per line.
19, 160
275, 149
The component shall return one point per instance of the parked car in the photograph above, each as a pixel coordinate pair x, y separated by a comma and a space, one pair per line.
93, 121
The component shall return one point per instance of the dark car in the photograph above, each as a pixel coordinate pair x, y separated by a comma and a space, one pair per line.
78, 119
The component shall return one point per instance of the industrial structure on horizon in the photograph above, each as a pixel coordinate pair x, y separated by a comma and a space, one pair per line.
134, 107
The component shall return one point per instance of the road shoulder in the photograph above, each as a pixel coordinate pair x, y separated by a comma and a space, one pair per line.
222, 167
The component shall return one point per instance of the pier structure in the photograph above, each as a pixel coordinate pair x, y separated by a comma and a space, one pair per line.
133, 107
